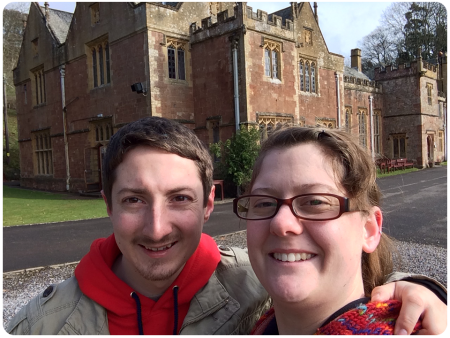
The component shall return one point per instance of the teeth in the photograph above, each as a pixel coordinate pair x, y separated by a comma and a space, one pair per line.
292, 257
159, 249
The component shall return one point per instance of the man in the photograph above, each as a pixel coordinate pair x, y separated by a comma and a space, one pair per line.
157, 273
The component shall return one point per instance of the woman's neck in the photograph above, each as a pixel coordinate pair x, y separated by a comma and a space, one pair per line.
306, 317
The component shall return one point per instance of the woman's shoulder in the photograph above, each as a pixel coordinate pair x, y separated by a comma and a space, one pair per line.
372, 318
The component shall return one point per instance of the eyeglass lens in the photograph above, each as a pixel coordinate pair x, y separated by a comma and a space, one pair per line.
307, 206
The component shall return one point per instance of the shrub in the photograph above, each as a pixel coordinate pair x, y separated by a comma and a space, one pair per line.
238, 154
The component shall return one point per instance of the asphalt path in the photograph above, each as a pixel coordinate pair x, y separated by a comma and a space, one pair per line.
414, 208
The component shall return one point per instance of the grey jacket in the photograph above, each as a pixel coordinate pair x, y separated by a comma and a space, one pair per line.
230, 303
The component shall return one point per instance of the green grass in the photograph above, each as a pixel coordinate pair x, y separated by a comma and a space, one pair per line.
396, 172
444, 163
21, 206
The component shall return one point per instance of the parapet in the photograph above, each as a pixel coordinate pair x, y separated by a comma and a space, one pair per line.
212, 22
270, 19
405, 69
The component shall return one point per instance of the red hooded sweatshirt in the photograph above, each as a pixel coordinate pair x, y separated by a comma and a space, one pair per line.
98, 282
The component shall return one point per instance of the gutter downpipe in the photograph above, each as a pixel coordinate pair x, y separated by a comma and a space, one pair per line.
372, 141
336, 76
62, 70
236, 88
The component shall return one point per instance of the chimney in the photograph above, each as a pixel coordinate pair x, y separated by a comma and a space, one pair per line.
315, 12
46, 10
356, 59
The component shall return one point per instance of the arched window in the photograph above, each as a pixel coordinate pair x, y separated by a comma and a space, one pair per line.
313, 78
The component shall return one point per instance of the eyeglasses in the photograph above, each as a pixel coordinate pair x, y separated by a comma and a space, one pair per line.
313, 207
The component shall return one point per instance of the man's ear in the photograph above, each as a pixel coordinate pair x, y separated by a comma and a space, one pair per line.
108, 210
372, 230
210, 204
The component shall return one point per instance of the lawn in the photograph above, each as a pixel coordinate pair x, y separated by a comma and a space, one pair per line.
395, 172
21, 206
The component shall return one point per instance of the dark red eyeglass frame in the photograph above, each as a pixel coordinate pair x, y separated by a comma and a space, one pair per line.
343, 204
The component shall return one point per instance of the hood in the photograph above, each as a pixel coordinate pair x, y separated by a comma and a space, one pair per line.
98, 282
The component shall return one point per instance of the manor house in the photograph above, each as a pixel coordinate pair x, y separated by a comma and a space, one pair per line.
212, 66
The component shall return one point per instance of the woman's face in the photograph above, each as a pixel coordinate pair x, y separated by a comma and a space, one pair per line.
329, 267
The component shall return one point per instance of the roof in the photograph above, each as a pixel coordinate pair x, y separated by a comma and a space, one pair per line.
58, 22
354, 73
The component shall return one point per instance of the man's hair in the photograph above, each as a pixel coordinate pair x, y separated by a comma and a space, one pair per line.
158, 133
355, 171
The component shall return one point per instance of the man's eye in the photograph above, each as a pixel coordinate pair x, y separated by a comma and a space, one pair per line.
181, 198
133, 200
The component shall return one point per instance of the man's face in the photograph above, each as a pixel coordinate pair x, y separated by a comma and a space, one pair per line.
157, 213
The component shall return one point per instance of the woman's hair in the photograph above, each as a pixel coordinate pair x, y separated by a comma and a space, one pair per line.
355, 171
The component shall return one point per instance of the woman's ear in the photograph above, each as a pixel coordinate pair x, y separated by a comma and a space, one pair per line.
372, 230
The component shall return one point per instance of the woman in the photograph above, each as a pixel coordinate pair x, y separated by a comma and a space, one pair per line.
314, 235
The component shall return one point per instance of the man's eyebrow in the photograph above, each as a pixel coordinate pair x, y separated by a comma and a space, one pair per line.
180, 189
144, 191
131, 190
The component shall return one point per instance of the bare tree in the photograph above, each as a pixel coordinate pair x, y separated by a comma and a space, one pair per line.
13, 29
404, 28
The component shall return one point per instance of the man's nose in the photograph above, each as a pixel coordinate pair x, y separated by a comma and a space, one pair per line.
156, 222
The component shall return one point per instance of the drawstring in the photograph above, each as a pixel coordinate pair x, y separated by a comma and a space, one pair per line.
139, 314
175, 309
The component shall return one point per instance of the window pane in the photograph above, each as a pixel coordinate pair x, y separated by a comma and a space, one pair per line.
181, 71
275, 64
307, 77
313, 79
94, 67
402, 147
302, 80
100, 58
171, 61
267, 62
396, 148
108, 76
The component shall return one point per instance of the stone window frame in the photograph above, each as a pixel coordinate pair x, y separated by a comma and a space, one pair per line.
274, 121
326, 122
99, 62
177, 45
362, 126
43, 153
377, 131
441, 140
271, 51
430, 93
348, 119
397, 143
103, 130
308, 75
95, 13
440, 108
38, 86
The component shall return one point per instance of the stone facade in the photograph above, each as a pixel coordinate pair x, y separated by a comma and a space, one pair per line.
74, 75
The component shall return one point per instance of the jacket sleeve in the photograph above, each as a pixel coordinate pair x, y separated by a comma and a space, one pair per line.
433, 285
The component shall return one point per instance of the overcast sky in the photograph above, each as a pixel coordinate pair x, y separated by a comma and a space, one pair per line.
343, 24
